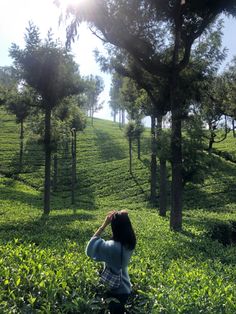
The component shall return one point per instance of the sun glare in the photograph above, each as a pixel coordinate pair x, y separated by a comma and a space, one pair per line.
67, 3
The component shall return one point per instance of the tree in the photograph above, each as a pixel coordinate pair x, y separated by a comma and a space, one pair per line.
20, 104
49, 69
195, 161
130, 134
115, 103
212, 108
230, 81
8, 76
135, 26
8, 80
133, 100
72, 120
94, 88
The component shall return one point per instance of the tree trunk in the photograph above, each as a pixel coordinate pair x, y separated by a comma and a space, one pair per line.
73, 168
139, 147
211, 139
75, 156
123, 117
153, 161
55, 171
163, 188
210, 145
21, 142
92, 112
233, 127
177, 184
47, 143
162, 183
176, 136
120, 122
130, 155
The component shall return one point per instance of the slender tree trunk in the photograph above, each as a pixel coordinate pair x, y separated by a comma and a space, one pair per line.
233, 127
176, 136
210, 145
92, 112
123, 117
47, 143
75, 156
212, 138
120, 123
73, 166
162, 183
139, 147
153, 195
21, 141
163, 187
177, 184
55, 171
130, 155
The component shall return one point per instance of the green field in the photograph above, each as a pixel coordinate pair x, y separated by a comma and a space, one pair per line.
43, 268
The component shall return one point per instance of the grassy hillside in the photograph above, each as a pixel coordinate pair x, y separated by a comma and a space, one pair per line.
43, 268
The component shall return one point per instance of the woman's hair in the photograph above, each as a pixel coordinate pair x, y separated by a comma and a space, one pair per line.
122, 230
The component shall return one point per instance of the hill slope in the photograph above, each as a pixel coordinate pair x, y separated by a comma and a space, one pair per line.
43, 268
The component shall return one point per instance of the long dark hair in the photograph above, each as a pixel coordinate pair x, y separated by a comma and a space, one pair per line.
122, 230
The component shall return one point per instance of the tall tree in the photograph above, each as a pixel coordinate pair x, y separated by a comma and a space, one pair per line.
8, 80
95, 86
20, 102
212, 108
130, 134
230, 81
115, 102
8, 76
48, 68
135, 26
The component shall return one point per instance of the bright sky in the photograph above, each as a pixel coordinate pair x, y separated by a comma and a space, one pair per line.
14, 18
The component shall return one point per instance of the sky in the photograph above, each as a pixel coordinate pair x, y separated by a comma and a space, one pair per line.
14, 18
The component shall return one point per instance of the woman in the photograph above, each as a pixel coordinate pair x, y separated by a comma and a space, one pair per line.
116, 254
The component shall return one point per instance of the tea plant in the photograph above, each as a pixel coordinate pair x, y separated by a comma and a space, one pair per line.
43, 267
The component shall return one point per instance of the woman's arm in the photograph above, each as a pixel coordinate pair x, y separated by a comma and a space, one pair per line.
97, 247
106, 222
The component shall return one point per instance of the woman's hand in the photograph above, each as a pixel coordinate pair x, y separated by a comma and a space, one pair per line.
106, 222
108, 218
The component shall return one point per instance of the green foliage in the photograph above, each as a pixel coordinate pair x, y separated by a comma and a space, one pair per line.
130, 130
230, 81
195, 160
8, 77
20, 103
47, 67
224, 232
43, 268
115, 103
94, 87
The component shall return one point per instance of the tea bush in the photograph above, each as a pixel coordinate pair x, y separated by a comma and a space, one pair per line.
43, 267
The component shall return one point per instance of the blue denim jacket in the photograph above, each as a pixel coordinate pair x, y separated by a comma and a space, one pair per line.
109, 252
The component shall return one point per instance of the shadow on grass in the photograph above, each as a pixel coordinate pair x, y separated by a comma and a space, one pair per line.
32, 159
8, 192
109, 148
49, 231
203, 247
211, 201
187, 245
215, 195
146, 144
141, 190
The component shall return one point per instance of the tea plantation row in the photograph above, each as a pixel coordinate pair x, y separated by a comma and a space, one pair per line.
43, 268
